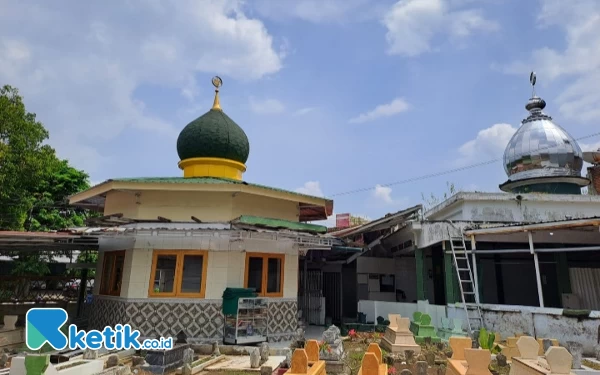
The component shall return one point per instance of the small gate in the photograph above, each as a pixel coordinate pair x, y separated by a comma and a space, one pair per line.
311, 299
332, 291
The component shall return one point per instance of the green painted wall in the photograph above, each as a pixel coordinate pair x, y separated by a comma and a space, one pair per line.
451, 281
420, 264
562, 273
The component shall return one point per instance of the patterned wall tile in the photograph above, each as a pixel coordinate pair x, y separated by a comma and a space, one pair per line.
282, 317
199, 320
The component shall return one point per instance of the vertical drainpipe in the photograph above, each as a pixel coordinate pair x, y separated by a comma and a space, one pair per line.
537, 269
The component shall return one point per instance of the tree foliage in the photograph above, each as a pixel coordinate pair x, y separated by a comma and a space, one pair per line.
51, 210
34, 183
24, 159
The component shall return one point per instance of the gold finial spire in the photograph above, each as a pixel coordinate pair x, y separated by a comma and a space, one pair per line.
217, 82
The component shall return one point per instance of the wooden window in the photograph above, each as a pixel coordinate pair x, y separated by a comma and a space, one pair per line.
178, 274
264, 272
112, 273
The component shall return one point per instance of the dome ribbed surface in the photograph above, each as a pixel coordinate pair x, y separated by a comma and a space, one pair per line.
213, 135
541, 148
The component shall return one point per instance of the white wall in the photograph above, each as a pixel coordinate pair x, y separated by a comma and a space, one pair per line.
504, 319
403, 270
540, 322
406, 277
373, 309
504, 207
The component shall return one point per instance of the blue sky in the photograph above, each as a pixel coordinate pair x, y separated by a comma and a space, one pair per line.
335, 95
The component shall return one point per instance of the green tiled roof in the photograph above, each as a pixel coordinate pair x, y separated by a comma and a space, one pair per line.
280, 224
202, 180
213, 135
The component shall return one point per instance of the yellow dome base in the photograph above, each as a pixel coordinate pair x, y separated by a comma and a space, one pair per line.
212, 167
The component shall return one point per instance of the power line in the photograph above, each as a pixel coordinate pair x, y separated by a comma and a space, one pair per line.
449, 171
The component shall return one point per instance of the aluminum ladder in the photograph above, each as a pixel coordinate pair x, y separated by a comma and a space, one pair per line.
468, 291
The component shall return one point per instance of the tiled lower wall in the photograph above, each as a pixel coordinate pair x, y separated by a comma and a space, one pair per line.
201, 319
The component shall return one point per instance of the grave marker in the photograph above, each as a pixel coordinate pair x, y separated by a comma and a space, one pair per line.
557, 360
398, 337
372, 362
300, 365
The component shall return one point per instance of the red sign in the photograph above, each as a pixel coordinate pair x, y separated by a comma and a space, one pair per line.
342, 220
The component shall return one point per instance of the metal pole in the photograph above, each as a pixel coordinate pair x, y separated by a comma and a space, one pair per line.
475, 278
82, 292
537, 269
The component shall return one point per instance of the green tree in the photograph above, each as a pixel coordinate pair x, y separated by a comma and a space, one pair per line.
86, 257
34, 183
50, 210
24, 159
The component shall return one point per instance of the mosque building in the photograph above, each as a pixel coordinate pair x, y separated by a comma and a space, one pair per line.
534, 243
178, 242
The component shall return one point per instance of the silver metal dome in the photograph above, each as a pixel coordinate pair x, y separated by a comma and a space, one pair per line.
541, 148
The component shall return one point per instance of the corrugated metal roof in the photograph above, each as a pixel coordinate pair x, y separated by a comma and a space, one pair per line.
385, 222
279, 224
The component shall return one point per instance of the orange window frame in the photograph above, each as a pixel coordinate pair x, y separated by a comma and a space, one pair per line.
180, 254
105, 284
265, 272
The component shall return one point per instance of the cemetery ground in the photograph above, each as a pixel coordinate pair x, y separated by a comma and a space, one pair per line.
406, 347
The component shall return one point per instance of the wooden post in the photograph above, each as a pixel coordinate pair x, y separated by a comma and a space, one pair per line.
370, 365
478, 361
458, 346
375, 349
299, 362
372, 362
537, 269
312, 351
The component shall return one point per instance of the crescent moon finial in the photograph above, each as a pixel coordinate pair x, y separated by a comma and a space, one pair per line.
217, 82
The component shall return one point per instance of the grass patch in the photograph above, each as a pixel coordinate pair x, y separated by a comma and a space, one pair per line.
590, 364
500, 370
579, 314
200, 361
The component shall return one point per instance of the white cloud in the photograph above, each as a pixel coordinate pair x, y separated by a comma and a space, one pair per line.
311, 188
397, 106
489, 143
383, 193
83, 86
579, 60
266, 106
413, 24
304, 111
